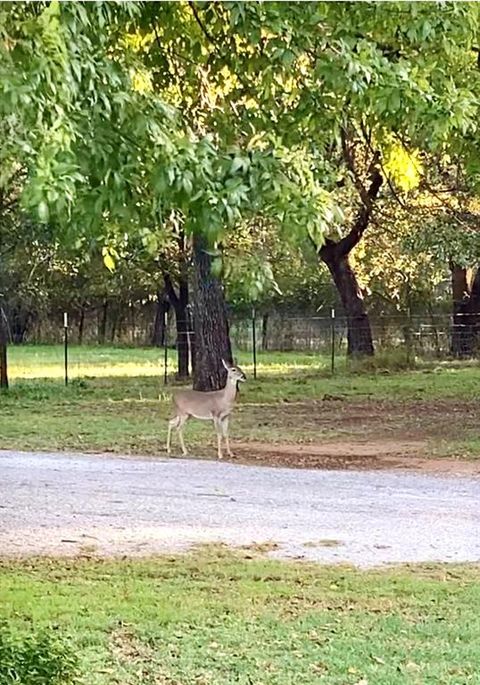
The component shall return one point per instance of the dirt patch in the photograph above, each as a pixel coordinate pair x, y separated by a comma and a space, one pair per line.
348, 455
365, 417
347, 433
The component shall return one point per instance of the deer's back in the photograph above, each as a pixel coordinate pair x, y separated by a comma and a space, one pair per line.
201, 405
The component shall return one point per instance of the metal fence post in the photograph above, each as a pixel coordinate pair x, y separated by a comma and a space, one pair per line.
65, 334
254, 342
409, 336
165, 349
332, 323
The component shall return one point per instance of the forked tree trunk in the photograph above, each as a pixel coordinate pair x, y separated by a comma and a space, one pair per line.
212, 339
336, 256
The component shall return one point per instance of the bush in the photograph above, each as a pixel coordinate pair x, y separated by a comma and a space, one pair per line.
36, 658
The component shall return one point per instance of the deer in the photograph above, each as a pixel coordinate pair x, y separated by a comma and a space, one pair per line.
216, 406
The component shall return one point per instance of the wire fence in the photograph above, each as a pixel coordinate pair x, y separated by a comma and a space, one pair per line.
406, 338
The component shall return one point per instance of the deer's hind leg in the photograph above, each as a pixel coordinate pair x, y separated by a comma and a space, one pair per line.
177, 422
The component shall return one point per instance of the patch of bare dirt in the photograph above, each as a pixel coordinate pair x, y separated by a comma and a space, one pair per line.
348, 455
365, 434
415, 419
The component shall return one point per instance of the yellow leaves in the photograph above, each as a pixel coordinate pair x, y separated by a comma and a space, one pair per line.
108, 254
404, 168
141, 81
137, 40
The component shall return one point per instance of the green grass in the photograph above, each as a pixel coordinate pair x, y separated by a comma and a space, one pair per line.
116, 401
218, 618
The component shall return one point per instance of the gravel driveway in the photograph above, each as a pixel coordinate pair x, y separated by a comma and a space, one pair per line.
63, 504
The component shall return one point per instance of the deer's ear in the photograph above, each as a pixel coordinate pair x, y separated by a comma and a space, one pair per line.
225, 364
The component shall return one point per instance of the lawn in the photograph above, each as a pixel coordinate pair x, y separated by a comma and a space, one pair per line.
116, 402
214, 617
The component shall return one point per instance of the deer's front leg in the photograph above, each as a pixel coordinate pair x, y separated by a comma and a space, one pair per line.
224, 426
218, 429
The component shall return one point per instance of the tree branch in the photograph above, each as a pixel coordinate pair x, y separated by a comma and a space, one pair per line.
205, 31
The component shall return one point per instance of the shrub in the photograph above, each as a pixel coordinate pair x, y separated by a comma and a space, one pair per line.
36, 658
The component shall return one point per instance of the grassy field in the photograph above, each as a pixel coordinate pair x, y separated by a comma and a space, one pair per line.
214, 618
116, 402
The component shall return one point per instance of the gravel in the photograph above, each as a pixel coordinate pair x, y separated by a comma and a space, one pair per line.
71, 503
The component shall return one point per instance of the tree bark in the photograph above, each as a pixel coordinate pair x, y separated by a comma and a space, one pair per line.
336, 256
20, 320
265, 332
81, 325
3, 349
212, 339
161, 309
180, 305
466, 311
102, 333
359, 332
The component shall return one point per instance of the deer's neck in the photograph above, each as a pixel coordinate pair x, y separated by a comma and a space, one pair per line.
230, 391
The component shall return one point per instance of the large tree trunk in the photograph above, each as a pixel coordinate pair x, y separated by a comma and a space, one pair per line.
161, 309
212, 339
3, 349
466, 311
359, 332
336, 256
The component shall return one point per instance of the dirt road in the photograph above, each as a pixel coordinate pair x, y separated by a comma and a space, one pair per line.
66, 504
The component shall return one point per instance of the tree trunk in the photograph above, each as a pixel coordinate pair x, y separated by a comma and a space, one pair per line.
161, 309
265, 332
20, 320
466, 311
81, 325
3, 349
102, 332
212, 339
336, 257
180, 305
359, 332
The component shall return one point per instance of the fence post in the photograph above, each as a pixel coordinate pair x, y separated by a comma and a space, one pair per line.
409, 336
165, 348
332, 324
65, 340
190, 338
254, 342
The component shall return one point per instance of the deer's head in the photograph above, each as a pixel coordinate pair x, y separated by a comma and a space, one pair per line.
234, 373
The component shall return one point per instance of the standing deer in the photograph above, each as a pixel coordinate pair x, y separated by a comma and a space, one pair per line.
213, 406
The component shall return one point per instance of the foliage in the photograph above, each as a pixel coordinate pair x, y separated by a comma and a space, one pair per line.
40, 657
231, 117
